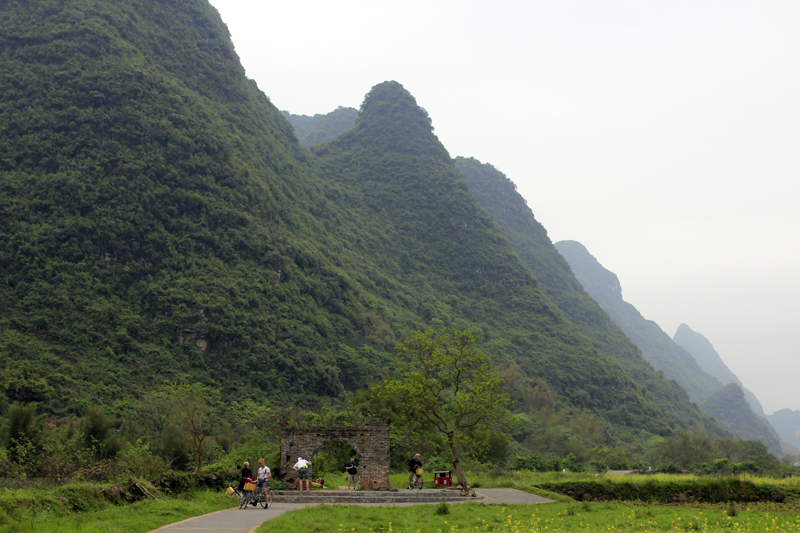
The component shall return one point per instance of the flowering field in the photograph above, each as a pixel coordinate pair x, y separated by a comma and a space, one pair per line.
550, 518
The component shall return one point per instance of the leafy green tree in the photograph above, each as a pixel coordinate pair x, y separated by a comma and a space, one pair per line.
196, 414
97, 436
444, 379
22, 426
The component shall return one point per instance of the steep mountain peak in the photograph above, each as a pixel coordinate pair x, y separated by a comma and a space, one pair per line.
391, 100
593, 275
705, 354
391, 120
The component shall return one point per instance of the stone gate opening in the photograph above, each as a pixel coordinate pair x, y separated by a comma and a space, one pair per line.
371, 442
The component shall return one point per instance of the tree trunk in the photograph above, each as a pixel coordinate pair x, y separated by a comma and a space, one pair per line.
462, 480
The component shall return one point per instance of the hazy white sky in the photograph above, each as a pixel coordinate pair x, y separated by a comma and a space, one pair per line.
663, 136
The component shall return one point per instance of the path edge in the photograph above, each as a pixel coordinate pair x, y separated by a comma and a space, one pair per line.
190, 519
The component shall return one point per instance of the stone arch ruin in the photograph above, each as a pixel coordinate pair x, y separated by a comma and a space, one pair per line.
371, 442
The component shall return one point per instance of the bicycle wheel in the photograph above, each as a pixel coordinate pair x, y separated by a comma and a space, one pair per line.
245, 499
265, 501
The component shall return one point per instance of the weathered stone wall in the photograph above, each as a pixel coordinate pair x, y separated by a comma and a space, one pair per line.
371, 442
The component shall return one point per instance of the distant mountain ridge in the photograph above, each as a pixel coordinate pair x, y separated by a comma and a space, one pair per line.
498, 195
787, 423
710, 361
657, 347
726, 404
321, 128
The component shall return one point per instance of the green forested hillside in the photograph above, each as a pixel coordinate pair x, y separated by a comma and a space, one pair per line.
498, 196
418, 222
729, 407
321, 128
161, 223
657, 347
158, 219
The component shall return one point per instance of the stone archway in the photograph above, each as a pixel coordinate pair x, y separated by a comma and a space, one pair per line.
371, 442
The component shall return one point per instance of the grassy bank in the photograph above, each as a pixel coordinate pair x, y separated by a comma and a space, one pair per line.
552, 518
76, 508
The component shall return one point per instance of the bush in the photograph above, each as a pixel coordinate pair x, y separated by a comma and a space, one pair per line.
210, 477
711, 490
82, 497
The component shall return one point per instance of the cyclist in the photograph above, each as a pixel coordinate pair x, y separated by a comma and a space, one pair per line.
415, 470
264, 474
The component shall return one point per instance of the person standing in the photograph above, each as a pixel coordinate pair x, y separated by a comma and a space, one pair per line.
415, 469
352, 473
264, 474
245, 472
304, 473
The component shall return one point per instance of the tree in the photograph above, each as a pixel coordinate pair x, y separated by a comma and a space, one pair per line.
97, 436
443, 378
196, 413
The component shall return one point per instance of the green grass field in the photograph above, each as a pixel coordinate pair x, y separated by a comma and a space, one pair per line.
48, 515
79, 508
551, 518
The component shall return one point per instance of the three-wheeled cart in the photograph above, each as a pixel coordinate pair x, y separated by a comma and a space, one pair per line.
442, 479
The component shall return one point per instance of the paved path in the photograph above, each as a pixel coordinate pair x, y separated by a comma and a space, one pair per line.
247, 521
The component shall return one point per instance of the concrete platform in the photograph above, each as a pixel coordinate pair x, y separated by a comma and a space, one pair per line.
355, 497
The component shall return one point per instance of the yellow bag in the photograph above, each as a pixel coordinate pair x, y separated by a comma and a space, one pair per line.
249, 486
419, 471
230, 491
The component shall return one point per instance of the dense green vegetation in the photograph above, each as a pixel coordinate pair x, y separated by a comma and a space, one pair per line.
499, 197
729, 406
159, 223
82, 507
164, 231
417, 220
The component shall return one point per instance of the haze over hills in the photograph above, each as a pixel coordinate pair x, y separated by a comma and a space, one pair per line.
498, 195
710, 361
726, 404
420, 224
321, 128
787, 423
163, 224
657, 347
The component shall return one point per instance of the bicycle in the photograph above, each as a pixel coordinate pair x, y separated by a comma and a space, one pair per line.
417, 480
247, 497
260, 499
